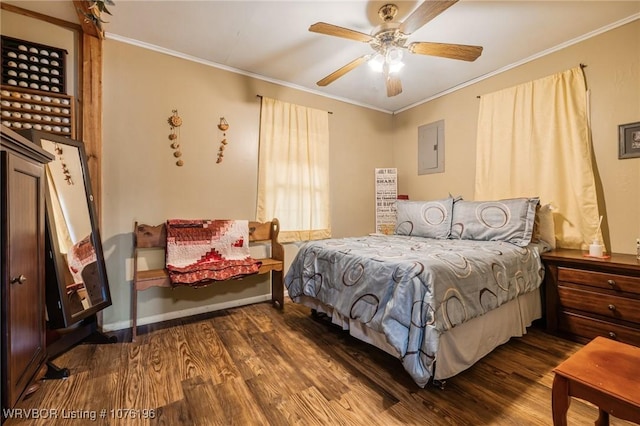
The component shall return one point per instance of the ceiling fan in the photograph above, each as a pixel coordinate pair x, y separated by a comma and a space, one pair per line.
389, 40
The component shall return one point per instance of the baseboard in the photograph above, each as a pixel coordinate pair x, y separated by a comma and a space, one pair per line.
120, 325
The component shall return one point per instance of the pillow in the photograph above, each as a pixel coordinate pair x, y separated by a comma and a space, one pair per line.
430, 219
546, 225
535, 234
510, 220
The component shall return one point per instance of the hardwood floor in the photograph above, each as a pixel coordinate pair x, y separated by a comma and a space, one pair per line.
255, 365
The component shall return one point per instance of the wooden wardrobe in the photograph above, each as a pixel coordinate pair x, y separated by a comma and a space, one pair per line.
22, 251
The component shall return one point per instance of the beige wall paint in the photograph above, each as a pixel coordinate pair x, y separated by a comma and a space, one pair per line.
613, 78
141, 181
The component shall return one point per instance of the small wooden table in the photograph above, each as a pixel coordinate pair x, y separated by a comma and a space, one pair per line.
604, 372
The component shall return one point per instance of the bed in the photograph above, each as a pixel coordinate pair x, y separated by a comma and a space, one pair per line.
456, 280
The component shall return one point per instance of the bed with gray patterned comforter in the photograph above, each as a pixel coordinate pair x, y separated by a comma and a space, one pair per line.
412, 289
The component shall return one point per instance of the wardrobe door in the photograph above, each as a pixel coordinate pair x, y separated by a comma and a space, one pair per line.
23, 322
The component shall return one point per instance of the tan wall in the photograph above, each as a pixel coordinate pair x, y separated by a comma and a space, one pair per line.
141, 181
613, 77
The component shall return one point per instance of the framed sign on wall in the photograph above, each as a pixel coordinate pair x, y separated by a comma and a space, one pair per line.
386, 196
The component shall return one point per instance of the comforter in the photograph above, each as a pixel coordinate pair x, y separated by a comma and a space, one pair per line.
412, 289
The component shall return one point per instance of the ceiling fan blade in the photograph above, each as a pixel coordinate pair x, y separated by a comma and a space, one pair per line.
342, 71
452, 51
424, 13
394, 86
393, 83
334, 30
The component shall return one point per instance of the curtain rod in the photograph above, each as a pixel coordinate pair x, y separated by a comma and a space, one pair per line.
260, 96
582, 66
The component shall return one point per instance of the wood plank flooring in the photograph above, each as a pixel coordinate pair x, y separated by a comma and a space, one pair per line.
256, 365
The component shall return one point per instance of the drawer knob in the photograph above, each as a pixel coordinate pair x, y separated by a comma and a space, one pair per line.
612, 335
612, 283
19, 280
612, 307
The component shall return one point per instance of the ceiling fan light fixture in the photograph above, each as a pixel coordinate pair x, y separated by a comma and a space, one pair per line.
391, 58
376, 63
394, 59
394, 56
394, 68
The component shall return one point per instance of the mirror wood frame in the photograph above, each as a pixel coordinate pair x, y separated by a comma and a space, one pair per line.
59, 310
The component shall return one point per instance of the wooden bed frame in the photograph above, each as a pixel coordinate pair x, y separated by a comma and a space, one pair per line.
155, 237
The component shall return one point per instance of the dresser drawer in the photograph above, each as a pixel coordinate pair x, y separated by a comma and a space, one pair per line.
624, 283
621, 308
589, 328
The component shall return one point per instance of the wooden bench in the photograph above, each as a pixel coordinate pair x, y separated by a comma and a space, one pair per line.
155, 237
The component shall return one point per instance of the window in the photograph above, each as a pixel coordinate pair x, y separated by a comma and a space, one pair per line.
293, 170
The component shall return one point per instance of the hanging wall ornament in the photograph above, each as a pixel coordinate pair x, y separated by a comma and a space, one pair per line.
224, 126
65, 169
175, 122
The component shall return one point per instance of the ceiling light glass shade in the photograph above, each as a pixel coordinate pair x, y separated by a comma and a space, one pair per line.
393, 68
394, 59
394, 56
377, 62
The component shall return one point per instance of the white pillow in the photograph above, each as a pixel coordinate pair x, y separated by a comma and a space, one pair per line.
546, 225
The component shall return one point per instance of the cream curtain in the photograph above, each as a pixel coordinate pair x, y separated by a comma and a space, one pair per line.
293, 170
534, 140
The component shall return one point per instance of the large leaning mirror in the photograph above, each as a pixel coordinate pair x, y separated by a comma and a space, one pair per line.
76, 277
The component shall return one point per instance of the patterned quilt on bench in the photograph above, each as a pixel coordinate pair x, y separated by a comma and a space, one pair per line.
201, 251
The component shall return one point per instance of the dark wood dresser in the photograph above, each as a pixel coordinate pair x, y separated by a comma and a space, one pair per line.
587, 297
22, 252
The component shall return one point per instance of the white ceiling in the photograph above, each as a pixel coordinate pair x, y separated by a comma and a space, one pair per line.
270, 39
